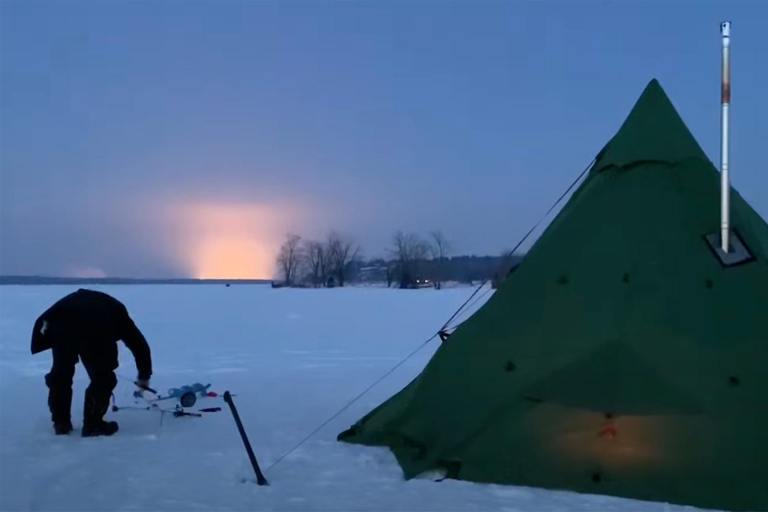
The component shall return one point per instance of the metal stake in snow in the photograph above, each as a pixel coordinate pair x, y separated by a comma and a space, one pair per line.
259, 475
725, 99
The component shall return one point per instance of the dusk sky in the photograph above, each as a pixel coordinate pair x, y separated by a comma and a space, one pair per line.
174, 139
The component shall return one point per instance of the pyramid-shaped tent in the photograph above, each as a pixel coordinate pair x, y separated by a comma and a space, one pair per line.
622, 356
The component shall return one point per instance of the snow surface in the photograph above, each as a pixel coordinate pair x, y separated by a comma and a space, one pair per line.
292, 357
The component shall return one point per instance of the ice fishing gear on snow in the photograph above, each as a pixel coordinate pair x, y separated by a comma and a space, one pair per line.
259, 475
186, 395
178, 399
182, 398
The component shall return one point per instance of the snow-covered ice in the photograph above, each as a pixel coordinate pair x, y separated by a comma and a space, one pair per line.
292, 357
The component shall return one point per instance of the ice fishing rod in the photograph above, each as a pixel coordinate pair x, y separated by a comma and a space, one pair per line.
136, 383
184, 396
144, 387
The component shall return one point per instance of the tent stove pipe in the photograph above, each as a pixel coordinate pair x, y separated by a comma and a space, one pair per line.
725, 100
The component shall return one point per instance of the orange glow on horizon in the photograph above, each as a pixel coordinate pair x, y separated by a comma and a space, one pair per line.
233, 258
231, 241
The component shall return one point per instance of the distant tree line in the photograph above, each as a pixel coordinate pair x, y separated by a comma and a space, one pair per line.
411, 261
318, 264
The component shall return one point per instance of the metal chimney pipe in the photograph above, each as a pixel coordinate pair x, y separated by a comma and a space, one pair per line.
725, 100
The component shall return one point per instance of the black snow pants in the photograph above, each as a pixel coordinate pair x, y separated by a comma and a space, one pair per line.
99, 360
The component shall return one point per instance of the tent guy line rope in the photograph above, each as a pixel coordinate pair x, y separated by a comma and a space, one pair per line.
425, 343
351, 402
468, 309
510, 253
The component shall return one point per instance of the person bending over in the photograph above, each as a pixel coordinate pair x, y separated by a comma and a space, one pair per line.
87, 325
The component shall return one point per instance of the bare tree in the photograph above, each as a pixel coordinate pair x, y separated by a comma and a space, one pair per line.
440, 248
289, 258
340, 253
409, 249
317, 257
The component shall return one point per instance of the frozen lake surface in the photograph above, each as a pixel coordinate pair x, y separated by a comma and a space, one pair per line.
292, 357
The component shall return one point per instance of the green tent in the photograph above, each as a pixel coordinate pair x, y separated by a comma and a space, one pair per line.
624, 356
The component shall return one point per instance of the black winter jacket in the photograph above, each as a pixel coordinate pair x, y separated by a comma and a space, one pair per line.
91, 318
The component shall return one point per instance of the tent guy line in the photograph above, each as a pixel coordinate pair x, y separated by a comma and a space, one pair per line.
447, 324
351, 402
442, 329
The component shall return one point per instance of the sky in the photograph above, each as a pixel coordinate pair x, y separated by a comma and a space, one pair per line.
175, 139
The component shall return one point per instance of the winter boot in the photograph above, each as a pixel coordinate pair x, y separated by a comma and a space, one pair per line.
62, 428
99, 428
96, 405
